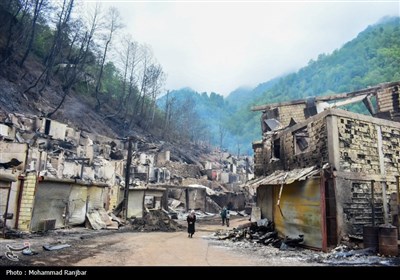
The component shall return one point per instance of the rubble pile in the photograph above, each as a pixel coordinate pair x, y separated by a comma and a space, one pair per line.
261, 232
156, 220
183, 170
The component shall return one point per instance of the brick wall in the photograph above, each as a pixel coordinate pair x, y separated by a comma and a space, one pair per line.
113, 197
293, 111
28, 195
388, 99
262, 156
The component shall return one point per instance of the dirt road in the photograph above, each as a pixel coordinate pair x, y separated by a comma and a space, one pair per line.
126, 248
146, 249
162, 249
173, 249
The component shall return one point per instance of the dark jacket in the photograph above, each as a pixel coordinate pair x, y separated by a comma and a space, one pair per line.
191, 220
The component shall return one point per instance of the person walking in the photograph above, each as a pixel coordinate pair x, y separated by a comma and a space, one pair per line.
223, 215
191, 220
228, 215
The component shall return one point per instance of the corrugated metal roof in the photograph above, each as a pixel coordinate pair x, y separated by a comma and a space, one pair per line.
288, 177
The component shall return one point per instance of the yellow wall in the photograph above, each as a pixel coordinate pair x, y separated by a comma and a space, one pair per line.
28, 194
301, 208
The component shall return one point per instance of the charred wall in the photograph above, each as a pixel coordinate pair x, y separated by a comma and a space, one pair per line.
355, 205
300, 146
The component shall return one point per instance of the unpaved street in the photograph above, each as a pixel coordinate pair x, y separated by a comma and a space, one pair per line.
127, 248
146, 249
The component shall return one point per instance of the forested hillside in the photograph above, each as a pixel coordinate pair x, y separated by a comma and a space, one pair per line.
79, 66
371, 58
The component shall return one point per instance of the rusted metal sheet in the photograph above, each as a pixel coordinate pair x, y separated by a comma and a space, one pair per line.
370, 237
300, 211
289, 177
388, 241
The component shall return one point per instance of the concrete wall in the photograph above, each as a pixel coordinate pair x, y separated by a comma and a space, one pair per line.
51, 200
197, 198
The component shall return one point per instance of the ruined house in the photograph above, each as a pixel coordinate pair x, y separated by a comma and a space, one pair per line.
190, 196
324, 172
62, 176
142, 198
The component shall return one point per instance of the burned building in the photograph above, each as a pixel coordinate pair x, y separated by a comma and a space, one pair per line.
324, 172
62, 176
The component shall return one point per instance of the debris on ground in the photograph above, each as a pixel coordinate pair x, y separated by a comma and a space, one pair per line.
155, 220
29, 252
256, 235
55, 247
262, 231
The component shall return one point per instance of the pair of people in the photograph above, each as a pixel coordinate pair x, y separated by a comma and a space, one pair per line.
225, 216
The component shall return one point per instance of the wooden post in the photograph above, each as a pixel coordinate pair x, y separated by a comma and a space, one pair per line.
398, 203
372, 202
5, 212
127, 178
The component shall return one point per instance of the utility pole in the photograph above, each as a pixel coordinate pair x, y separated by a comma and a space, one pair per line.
127, 178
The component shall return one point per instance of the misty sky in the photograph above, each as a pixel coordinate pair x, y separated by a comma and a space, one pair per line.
221, 45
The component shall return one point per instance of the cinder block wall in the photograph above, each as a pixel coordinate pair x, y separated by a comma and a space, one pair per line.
359, 153
358, 142
28, 196
354, 209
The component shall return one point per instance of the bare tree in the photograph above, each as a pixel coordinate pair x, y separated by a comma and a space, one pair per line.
64, 14
221, 133
146, 61
113, 24
157, 81
84, 34
129, 60
17, 11
37, 10
167, 115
